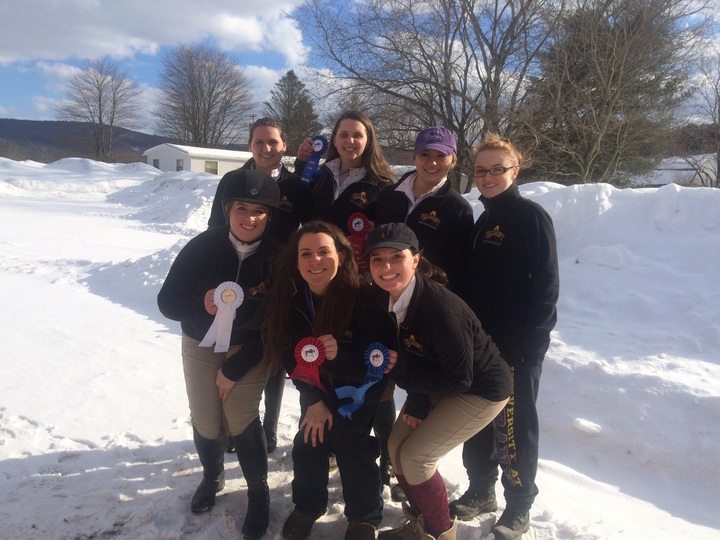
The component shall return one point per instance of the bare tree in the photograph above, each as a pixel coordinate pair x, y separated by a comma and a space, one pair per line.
103, 98
611, 82
457, 63
205, 97
709, 93
290, 102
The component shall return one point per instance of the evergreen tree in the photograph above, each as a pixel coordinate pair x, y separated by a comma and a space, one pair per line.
291, 104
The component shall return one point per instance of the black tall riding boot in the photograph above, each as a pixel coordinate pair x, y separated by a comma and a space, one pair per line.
211, 453
274, 388
251, 450
382, 425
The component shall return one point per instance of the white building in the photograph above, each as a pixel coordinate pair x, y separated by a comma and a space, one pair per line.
176, 157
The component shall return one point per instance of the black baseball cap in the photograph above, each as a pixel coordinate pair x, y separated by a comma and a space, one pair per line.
392, 235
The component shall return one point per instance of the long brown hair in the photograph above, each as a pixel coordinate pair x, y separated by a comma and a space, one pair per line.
372, 159
335, 311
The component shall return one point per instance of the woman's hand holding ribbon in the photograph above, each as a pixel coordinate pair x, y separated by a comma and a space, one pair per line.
392, 360
331, 346
209, 302
224, 385
314, 421
305, 149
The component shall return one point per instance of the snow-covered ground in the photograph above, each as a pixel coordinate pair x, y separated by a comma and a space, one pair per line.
95, 439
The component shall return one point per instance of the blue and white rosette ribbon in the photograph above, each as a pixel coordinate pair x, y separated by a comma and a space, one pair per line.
310, 172
377, 359
228, 297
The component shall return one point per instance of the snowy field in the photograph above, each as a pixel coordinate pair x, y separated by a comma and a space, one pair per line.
95, 440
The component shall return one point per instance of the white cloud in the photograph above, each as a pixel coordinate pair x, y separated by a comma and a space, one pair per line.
45, 107
90, 29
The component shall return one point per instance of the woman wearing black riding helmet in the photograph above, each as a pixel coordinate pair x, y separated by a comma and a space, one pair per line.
224, 388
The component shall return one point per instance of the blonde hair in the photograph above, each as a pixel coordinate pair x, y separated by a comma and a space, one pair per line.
493, 141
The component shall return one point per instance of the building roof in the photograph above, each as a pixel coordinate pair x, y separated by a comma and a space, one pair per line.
205, 153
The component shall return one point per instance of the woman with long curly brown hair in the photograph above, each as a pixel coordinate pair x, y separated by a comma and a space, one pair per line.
312, 304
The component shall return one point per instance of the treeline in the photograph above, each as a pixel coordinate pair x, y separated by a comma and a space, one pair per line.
593, 90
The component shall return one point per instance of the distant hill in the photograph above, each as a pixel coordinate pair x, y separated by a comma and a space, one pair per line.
48, 141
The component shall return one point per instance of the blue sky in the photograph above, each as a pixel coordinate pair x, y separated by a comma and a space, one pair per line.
42, 41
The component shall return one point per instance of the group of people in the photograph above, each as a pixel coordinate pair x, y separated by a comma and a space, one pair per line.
350, 286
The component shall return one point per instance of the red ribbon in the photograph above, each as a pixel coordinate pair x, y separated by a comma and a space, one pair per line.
309, 354
359, 226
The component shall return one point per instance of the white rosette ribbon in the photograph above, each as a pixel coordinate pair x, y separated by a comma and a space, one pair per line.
228, 297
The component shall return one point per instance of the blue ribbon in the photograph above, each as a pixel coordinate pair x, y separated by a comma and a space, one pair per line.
310, 172
377, 358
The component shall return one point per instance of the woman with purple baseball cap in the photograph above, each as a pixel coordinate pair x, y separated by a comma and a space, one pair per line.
442, 221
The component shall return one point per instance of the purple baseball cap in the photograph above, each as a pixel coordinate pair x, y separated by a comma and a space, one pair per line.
435, 138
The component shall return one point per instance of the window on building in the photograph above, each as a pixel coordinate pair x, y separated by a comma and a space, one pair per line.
179, 165
156, 163
211, 167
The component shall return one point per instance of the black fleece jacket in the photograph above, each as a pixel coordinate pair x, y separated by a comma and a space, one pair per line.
442, 223
360, 196
442, 348
511, 278
348, 368
205, 262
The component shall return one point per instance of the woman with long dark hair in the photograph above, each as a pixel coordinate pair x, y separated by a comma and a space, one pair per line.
354, 173
313, 304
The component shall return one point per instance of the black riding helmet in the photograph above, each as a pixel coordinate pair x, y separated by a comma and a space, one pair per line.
251, 186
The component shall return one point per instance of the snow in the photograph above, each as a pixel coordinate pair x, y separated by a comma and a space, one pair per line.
95, 439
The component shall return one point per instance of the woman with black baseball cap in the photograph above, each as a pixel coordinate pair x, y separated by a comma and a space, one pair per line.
455, 378
214, 288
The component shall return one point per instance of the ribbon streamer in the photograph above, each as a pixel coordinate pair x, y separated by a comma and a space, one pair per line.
359, 226
377, 359
309, 354
310, 172
228, 297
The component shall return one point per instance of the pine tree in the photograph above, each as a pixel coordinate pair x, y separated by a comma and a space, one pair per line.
291, 104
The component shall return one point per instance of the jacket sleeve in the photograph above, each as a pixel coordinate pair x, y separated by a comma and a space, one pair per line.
417, 405
458, 245
179, 298
250, 355
541, 313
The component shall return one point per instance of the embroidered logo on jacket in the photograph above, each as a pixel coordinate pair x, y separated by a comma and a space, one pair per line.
359, 199
285, 204
260, 289
429, 219
494, 236
412, 346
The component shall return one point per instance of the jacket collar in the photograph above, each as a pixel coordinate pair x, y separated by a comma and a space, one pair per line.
512, 193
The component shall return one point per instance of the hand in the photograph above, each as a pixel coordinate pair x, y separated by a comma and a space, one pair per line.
411, 420
209, 302
392, 360
314, 422
331, 346
305, 149
224, 385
